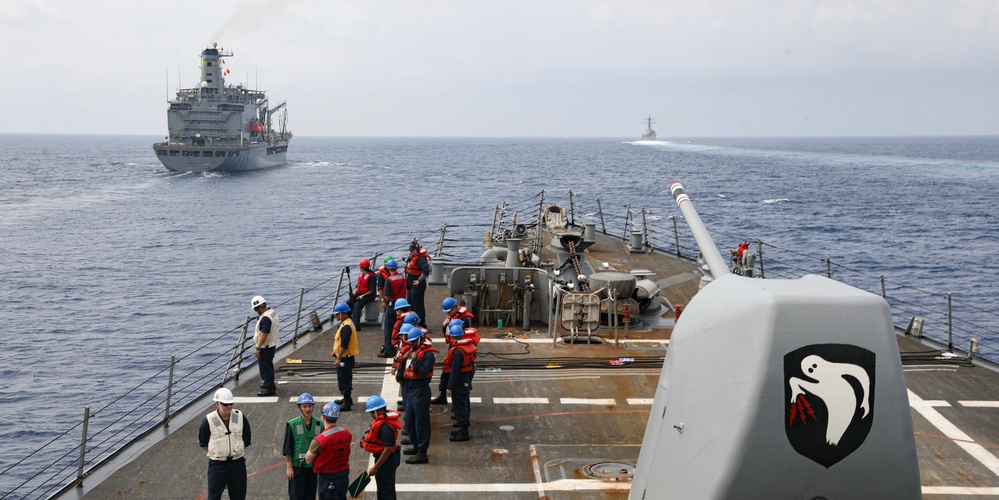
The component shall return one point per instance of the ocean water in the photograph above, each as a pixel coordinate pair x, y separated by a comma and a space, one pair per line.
110, 264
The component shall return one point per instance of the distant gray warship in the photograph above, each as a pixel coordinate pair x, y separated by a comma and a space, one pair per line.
219, 128
649, 134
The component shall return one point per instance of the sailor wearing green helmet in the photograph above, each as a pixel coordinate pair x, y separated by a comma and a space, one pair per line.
299, 432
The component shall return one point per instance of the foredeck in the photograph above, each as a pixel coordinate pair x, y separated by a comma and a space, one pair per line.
549, 420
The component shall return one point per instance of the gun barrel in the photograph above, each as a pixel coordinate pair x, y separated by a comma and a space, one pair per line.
716, 264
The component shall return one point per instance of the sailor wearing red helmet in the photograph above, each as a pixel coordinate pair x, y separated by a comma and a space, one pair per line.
364, 294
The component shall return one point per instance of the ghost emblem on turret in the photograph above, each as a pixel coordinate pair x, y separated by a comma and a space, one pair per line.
835, 391
828, 400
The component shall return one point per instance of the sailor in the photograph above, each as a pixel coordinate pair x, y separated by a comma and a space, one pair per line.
380, 440
393, 289
417, 272
298, 434
452, 312
345, 347
417, 368
388, 349
265, 339
365, 292
460, 362
225, 434
329, 455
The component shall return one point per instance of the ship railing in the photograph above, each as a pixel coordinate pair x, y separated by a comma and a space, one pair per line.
957, 324
105, 430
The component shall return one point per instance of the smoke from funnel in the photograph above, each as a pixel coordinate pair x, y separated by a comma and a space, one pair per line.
250, 18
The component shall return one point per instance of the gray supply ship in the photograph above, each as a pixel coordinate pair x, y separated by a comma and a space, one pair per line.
594, 381
649, 134
218, 128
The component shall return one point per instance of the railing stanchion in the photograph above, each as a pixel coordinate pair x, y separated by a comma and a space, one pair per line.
884, 295
676, 236
950, 324
169, 392
600, 210
828, 267
298, 318
759, 251
572, 210
83, 447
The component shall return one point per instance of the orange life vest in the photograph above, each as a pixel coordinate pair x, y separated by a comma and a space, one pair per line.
371, 443
396, 287
468, 355
412, 268
410, 373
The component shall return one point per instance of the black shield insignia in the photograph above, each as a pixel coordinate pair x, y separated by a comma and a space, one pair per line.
828, 400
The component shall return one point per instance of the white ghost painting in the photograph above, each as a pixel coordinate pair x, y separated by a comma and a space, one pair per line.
835, 391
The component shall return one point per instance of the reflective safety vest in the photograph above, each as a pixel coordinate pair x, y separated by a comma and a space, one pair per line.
410, 373
272, 337
412, 267
352, 345
468, 354
335, 453
395, 287
226, 442
363, 284
302, 437
371, 443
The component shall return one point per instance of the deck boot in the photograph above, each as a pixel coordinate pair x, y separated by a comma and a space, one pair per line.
420, 458
439, 400
405, 441
344, 403
459, 435
410, 451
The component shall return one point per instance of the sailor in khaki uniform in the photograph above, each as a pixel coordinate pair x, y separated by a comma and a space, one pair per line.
225, 434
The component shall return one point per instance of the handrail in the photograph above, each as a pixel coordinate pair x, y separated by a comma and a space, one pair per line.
52, 467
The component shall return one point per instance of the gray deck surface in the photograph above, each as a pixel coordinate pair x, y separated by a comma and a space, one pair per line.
543, 447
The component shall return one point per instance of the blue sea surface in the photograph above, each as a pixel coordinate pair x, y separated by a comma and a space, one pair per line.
111, 264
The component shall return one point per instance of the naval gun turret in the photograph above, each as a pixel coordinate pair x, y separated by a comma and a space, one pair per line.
778, 389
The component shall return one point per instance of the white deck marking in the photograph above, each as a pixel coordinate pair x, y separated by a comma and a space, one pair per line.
640, 401
252, 400
929, 369
950, 430
538, 484
515, 401
582, 401
937, 403
980, 404
960, 490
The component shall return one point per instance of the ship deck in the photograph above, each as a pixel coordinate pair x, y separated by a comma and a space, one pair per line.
544, 425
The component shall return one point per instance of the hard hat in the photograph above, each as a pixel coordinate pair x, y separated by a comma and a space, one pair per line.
341, 307
331, 410
405, 329
223, 396
375, 403
414, 334
257, 301
411, 318
456, 329
391, 264
449, 303
386, 259
401, 304
306, 399
365, 263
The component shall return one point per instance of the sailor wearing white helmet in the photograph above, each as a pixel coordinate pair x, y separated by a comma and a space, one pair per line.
225, 434
265, 339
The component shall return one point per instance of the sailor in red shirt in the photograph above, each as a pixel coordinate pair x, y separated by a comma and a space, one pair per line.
329, 455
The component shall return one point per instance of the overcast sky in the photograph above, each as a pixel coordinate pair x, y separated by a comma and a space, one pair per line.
556, 68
